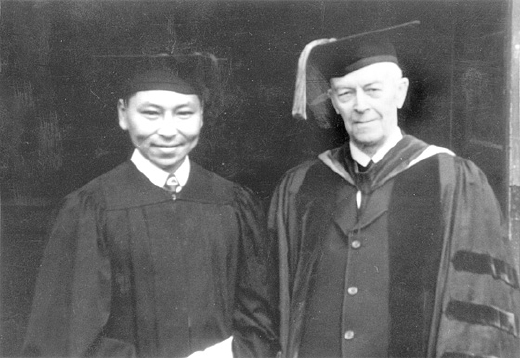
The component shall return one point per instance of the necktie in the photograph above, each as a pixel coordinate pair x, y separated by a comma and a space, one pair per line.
172, 185
363, 169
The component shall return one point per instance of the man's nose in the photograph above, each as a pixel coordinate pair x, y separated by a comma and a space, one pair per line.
361, 104
168, 126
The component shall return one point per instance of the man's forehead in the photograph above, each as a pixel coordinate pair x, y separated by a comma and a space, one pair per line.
377, 72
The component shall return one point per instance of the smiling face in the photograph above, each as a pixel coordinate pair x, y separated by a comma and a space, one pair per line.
367, 100
163, 125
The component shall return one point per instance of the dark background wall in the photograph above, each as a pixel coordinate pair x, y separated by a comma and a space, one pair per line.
60, 66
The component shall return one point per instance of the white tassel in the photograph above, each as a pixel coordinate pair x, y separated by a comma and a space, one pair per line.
299, 110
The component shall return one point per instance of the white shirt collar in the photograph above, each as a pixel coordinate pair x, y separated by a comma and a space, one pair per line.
158, 176
364, 159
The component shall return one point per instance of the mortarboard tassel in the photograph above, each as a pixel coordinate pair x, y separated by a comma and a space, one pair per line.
299, 110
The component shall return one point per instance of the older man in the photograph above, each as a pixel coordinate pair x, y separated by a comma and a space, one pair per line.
389, 247
158, 257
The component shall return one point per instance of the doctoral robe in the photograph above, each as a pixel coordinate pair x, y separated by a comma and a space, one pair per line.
128, 271
420, 267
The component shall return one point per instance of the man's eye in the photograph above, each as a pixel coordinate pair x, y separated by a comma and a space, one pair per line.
185, 114
345, 93
149, 113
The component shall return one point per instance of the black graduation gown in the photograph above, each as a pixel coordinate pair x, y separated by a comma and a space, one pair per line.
453, 286
130, 272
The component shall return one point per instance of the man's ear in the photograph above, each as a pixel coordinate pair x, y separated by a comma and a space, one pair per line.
121, 113
331, 97
402, 90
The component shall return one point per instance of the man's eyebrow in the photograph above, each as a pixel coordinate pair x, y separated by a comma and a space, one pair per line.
186, 104
156, 105
375, 82
343, 86
145, 104
339, 87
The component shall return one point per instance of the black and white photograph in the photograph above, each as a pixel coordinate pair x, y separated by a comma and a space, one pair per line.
260, 178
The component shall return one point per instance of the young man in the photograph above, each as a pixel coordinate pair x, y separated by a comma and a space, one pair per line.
389, 247
158, 257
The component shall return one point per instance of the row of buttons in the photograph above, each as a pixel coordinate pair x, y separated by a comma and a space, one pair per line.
351, 291
355, 244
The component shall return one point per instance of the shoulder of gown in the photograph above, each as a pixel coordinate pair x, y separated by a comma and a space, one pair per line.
478, 297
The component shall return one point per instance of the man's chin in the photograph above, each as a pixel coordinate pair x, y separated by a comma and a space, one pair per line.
367, 141
368, 144
168, 165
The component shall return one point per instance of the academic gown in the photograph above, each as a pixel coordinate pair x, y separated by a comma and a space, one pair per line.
128, 271
422, 268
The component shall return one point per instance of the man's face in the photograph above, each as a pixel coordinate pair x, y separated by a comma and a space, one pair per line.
163, 125
368, 100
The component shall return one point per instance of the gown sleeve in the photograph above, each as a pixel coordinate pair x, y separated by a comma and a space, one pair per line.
72, 296
255, 319
283, 225
478, 290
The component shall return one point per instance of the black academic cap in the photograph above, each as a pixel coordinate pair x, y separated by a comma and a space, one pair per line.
338, 58
158, 79
324, 59
188, 73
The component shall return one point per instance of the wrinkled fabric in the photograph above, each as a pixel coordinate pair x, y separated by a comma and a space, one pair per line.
469, 220
129, 272
473, 222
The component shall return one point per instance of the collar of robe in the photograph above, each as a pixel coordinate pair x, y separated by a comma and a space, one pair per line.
127, 187
397, 160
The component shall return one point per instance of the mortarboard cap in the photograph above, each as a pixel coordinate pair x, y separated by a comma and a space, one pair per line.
158, 79
188, 73
338, 58
324, 59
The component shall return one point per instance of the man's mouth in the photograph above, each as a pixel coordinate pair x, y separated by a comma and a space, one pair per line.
166, 149
166, 146
364, 121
